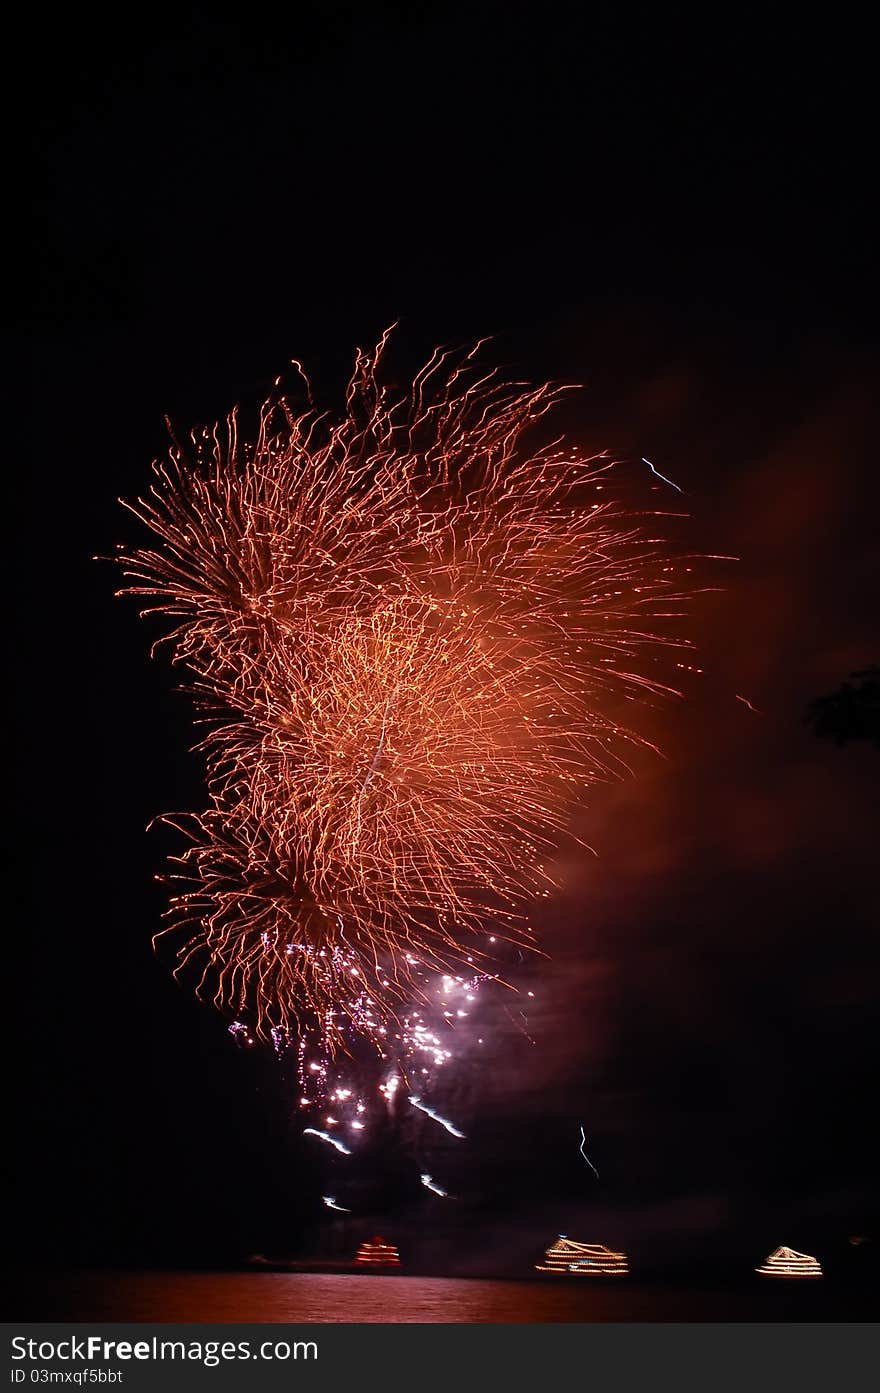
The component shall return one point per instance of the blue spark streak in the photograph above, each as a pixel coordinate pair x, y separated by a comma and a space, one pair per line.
656, 472
584, 1154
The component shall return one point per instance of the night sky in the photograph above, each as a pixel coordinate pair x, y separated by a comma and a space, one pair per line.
674, 216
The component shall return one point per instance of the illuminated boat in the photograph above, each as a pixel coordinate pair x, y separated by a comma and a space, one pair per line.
377, 1254
787, 1262
567, 1258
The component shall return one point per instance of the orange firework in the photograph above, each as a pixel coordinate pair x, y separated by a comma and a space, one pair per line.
404, 627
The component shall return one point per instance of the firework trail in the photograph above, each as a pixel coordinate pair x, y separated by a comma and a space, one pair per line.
656, 472
326, 1137
435, 1117
582, 1149
401, 629
430, 1184
745, 701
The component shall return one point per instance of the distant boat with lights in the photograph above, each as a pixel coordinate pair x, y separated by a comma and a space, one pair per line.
376, 1255
373, 1256
568, 1258
787, 1262
259, 1263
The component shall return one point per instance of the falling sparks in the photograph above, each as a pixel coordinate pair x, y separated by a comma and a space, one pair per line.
343, 1095
239, 1031
435, 1117
402, 629
584, 1153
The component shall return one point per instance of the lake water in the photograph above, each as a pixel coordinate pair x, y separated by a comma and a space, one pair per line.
321, 1297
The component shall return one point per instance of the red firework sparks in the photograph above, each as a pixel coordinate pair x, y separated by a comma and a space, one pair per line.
403, 627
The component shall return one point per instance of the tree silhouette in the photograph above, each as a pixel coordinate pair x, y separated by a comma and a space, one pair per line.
850, 713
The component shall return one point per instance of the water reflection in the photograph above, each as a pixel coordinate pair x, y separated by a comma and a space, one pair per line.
319, 1297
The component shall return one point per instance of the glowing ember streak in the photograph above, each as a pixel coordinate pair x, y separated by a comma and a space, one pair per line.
435, 1117
331, 1204
584, 1154
402, 628
325, 1136
430, 1184
658, 475
745, 701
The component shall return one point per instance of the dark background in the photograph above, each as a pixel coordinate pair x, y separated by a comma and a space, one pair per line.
673, 212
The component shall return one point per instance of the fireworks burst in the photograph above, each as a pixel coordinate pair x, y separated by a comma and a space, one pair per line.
401, 628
